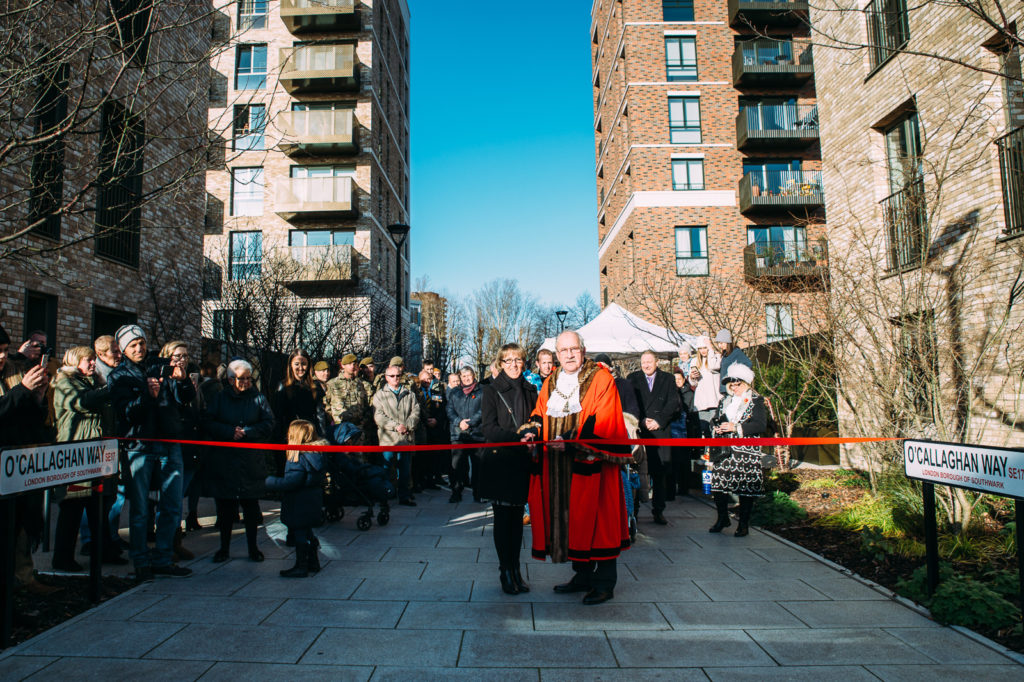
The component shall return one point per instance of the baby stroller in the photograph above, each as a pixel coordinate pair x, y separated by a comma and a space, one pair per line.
631, 489
354, 482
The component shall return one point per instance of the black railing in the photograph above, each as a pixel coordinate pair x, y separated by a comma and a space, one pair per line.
785, 258
1011, 165
906, 227
888, 30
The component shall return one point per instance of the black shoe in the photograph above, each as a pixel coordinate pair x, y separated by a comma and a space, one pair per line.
313, 559
301, 567
597, 597
221, 556
192, 523
570, 587
171, 571
456, 497
144, 574
508, 581
289, 540
520, 583
256, 555
742, 530
407, 502
68, 566
722, 522
659, 519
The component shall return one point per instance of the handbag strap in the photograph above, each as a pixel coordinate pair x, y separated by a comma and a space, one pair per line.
507, 406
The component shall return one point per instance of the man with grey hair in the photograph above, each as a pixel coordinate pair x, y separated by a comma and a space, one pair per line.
659, 402
147, 396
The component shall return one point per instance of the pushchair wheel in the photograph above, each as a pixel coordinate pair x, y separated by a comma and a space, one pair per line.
364, 522
383, 517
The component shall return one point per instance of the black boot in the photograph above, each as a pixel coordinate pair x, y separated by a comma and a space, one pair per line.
722, 504
301, 567
314, 557
508, 581
746, 506
520, 583
456, 495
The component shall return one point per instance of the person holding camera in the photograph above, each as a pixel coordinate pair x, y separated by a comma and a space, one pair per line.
148, 396
736, 469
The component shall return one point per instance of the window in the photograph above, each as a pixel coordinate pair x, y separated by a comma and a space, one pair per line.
47, 193
316, 326
41, 313
251, 67
246, 255
249, 127
246, 191
252, 14
230, 325
691, 251
320, 183
118, 195
778, 244
779, 320
905, 211
903, 153
108, 320
888, 29
311, 245
677, 10
687, 174
772, 176
684, 120
766, 52
681, 58
131, 21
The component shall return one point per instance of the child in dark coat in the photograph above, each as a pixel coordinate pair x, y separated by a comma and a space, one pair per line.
302, 498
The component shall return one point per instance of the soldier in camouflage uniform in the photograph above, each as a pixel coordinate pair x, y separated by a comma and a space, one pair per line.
367, 371
346, 398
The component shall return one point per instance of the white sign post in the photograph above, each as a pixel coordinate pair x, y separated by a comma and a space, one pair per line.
46, 466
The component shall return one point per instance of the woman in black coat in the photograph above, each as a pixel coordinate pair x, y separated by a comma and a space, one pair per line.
504, 479
297, 397
236, 475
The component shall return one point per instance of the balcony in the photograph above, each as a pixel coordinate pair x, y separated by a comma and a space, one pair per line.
317, 267
1011, 165
327, 197
750, 13
772, 62
777, 125
789, 261
781, 191
317, 131
905, 214
308, 16
319, 68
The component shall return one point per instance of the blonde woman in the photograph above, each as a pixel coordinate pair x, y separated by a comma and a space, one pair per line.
704, 380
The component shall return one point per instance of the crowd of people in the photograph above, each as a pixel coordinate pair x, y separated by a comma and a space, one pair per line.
570, 493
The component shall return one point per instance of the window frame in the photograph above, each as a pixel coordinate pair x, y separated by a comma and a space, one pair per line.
246, 21
688, 163
702, 241
251, 73
255, 125
878, 28
677, 7
685, 126
682, 64
251, 265
258, 180
777, 318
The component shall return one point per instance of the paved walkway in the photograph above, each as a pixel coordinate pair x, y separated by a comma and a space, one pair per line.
419, 599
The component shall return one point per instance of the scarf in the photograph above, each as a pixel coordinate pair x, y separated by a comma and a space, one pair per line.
564, 399
466, 390
736, 405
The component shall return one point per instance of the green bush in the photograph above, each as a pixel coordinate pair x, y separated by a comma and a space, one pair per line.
870, 512
852, 479
777, 509
876, 545
916, 588
961, 600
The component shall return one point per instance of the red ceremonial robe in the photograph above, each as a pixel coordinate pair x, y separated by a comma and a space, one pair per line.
577, 507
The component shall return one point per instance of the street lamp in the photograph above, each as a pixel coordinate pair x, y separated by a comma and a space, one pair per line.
560, 314
399, 232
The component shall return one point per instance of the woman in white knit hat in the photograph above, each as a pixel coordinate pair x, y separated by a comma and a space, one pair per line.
736, 469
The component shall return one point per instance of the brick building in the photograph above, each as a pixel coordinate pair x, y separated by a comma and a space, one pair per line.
103, 202
710, 208
310, 105
921, 131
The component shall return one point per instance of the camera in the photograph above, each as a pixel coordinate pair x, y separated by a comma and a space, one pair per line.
166, 371
44, 359
718, 420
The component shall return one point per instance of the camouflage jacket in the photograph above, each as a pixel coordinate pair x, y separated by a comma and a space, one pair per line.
346, 400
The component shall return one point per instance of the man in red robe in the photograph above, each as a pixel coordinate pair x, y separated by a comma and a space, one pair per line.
577, 506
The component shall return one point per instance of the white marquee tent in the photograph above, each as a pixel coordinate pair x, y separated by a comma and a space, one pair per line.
616, 330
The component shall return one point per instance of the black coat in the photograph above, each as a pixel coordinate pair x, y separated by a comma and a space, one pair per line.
505, 472
660, 403
753, 422
238, 473
462, 406
297, 402
302, 498
139, 414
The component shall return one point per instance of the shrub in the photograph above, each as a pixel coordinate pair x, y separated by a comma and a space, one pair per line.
869, 512
822, 483
852, 479
916, 588
961, 600
777, 509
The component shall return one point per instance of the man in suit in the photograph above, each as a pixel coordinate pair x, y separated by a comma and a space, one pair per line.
660, 404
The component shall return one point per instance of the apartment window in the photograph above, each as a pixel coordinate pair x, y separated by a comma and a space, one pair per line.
246, 191
249, 128
251, 67
131, 21
687, 174
905, 211
212, 277
766, 52
888, 29
684, 120
108, 320
1011, 165
313, 245
246, 255
691, 251
47, 193
252, 14
41, 313
772, 176
779, 321
118, 195
918, 360
677, 10
681, 58
316, 327
230, 325
777, 244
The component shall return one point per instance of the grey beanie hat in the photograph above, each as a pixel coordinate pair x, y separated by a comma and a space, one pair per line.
723, 336
127, 334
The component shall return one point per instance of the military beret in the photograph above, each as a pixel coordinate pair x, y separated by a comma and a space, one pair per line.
349, 358
320, 366
397, 361
366, 361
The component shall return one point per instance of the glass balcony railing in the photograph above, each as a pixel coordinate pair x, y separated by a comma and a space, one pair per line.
301, 16
298, 197
317, 131
313, 68
323, 263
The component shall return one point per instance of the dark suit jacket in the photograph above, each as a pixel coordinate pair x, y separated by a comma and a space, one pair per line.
662, 404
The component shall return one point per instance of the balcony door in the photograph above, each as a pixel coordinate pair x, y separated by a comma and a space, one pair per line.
310, 246
772, 176
778, 243
770, 114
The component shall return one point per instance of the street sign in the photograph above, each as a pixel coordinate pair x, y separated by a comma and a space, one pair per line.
998, 471
45, 466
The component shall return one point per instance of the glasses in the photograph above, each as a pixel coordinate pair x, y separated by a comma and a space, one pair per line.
730, 382
512, 361
179, 356
243, 380
392, 376
571, 350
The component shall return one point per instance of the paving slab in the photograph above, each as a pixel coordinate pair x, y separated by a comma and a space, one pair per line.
20, 667
185, 608
390, 674
388, 541
106, 669
624, 675
843, 588
758, 590
239, 643
348, 568
613, 615
403, 648
945, 645
321, 586
836, 646
337, 613
396, 589
711, 570
126, 605
85, 638
946, 673
471, 616
686, 649
728, 616
232, 672
428, 554
783, 569
874, 613
791, 673
496, 649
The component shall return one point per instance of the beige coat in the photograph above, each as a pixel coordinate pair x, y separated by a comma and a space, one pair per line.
390, 410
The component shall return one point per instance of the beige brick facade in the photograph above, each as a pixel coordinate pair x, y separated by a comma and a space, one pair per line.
638, 207
370, 151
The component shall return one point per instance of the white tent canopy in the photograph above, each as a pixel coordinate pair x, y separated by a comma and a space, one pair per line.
616, 330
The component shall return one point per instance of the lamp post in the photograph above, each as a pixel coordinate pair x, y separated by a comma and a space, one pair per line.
399, 232
560, 314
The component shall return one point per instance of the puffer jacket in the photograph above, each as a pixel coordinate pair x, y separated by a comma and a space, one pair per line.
78, 401
302, 498
140, 415
238, 473
390, 410
462, 406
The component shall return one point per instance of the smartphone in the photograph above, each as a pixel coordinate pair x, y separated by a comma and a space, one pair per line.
166, 371
44, 360
194, 376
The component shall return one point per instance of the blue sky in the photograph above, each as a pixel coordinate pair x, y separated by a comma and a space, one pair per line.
502, 147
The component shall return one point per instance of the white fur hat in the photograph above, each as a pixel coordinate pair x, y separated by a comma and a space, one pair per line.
738, 370
701, 342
